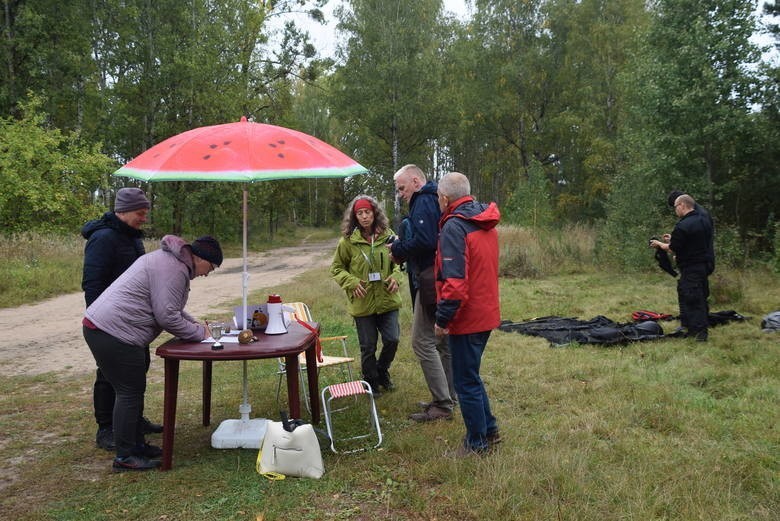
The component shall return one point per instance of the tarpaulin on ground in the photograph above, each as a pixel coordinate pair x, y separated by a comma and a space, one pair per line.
601, 330
597, 330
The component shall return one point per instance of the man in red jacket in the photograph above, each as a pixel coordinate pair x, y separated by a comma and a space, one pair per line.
467, 301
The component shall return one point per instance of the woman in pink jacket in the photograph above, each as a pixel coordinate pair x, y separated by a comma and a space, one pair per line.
148, 298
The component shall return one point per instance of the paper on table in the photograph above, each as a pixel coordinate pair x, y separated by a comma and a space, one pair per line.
225, 339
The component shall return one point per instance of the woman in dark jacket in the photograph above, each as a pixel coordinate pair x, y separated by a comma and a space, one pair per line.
114, 242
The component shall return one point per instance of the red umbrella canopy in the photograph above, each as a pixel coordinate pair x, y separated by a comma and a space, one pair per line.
241, 152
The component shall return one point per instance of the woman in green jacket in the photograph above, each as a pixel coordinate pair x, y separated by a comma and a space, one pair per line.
363, 269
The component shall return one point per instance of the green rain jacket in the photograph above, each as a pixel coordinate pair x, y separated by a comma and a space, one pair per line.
354, 259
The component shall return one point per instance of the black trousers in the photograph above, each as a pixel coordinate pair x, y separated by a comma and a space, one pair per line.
693, 290
124, 366
369, 329
103, 397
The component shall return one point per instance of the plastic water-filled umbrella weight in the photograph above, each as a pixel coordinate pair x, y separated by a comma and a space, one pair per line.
243, 152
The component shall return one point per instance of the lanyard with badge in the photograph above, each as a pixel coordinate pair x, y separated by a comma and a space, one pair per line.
373, 276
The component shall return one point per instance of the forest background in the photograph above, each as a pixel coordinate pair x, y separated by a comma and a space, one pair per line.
565, 112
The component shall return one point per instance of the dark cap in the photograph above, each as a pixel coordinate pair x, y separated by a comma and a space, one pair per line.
130, 199
207, 248
672, 197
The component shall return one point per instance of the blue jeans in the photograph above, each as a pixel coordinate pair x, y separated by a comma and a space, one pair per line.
466, 352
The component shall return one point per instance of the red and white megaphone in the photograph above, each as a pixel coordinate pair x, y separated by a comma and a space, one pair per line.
277, 322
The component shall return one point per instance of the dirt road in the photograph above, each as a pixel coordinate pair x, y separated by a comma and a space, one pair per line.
46, 337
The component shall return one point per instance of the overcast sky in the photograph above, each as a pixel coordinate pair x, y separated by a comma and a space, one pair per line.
324, 36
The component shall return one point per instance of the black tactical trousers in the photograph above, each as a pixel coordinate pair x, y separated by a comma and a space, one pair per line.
693, 290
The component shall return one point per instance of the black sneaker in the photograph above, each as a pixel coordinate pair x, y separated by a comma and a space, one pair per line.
104, 439
135, 463
148, 451
151, 428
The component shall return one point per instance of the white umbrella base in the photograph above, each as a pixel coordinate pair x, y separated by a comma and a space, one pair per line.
239, 434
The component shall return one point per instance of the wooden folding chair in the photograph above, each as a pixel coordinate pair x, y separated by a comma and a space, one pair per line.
344, 361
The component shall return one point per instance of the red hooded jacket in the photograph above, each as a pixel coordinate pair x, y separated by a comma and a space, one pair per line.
467, 268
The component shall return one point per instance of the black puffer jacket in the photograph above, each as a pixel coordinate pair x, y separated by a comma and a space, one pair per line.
112, 247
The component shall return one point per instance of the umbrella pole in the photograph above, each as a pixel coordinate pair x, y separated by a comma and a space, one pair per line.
245, 408
245, 276
243, 433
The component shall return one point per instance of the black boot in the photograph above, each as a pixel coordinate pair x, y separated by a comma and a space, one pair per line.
151, 428
147, 451
374, 383
104, 438
385, 381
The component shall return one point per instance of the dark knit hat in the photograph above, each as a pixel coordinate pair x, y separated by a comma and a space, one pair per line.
207, 248
672, 197
130, 199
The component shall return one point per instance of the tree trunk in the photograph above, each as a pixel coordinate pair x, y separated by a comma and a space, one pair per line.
9, 36
396, 200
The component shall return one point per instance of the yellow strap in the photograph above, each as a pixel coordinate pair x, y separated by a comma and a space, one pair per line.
273, 476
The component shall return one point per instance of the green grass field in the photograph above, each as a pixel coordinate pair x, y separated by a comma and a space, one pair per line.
666, 430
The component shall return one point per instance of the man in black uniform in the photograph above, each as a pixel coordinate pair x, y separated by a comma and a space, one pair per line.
671, 199
691, 243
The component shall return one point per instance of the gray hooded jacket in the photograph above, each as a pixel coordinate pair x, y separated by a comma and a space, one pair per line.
150, 297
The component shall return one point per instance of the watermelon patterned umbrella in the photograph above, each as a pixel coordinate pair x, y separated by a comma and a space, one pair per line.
243, 152
240, 152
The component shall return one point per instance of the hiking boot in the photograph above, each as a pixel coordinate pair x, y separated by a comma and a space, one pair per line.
151, 428
135, 463
464, 451
104, 438
148, 451
375, 388
493, 438
425, 405
432, 413
385, 381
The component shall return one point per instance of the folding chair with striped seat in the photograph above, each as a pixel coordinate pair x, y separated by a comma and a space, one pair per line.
345, 390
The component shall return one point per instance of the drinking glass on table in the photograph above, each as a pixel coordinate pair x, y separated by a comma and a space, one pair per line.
216, 334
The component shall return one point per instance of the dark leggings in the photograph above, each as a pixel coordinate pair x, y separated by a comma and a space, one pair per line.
124, 366
103, 397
